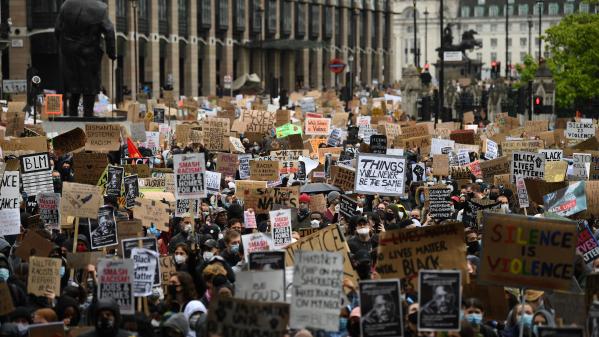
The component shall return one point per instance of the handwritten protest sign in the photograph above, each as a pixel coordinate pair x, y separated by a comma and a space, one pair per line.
249, 219
521, 145
167, 269
263, 200
263, 286
440, 204
187, 206
529, 252
317, 290
280, 223
403, 252
528, 165
216, 134
36, 173
587, 245
189, 175
6, 303
102, 137
567, 201
80, 200
152, 212
244, 166
492, 150
317, 126
10, 216
89, 167
380, 174
259, 121
115, 281
579, 131
145, 262
44, 275
212, 181
33, 244
344, 178
226, 163
581, 166
265, 170
230, 316
69, 141
491, 168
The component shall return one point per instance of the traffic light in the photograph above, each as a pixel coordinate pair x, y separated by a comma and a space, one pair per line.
538, 104
493, 69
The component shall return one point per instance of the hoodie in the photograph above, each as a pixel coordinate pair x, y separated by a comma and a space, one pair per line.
177, 322
548, 317
192, 308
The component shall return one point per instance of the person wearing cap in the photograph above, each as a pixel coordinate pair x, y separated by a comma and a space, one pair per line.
534, 298
332, 211
220, 217
303, 213
364, 238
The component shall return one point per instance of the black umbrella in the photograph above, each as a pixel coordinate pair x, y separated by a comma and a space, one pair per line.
319, 188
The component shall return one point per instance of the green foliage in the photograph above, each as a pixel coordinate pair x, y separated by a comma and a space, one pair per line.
574, 48
526, 71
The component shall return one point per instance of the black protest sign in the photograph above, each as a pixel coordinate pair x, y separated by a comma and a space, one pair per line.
378, 144
440, 300
114, 181
159, 113
301, 171
147, 243
267, 260
418, 171
545, 331
31, 204
352, 135
36, 173
131, 190
347, 206
381, 308
103, 231
440, 203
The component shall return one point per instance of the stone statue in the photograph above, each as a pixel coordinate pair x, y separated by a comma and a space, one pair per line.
468, 41
79, 28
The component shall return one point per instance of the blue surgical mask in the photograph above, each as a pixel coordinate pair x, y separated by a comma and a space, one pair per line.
62, 271
475, 319
526, 319
4, 274
535, 330
235, 249
342, 324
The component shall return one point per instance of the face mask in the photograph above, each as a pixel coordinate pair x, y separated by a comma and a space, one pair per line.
207, 255
155, 323
337, 208
526, 319
413, 318
180, 259
235, 249
106, 327
342, 323
4, 274
23, 329
390, 216
422, 198
505, 208
157, 161
474, 319
363, 231
315, 223
473, 247
172, 290
187, 228
62, 271
493, 195
220, 236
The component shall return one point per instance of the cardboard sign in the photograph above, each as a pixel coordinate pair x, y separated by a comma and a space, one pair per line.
280, 223
216, 134
432, 247
6, 304
69, 141
88, 167
567, 201
344, 178
555, 171
80, 200
528, 165
226, 315
33, 244
316, 291
552, 154
317, 126
115, 281
380, 174
522, 194
318, 203
167, 269
21, 146
488, 294
417, 130
440, 204
440, 296
580, 131
263, 286
491, 168
44, 275
265, 170
521, 145
462, 136
226, 163
236, 146
259, 121
145, 264
152, 212
263, 200
189, 176
54, 329
10, 216
49, 206
440, 165
539, 256
102, 137
128, 229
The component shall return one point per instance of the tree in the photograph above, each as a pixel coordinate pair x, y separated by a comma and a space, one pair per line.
574, 48
526, 70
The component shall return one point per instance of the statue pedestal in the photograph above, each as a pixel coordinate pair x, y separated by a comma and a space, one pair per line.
456, 70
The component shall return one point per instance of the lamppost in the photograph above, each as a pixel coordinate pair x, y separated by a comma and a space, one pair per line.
540, 4
507, 34
415, 34
134, 4
530, 34
426, 13
442, 65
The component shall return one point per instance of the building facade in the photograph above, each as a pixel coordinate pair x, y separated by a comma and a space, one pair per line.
192, 44
487, 18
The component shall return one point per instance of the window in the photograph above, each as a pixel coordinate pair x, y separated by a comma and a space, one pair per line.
584, 7
465, 11
493, 10
493, 56
206, 14
256, 16
240, 15
539, 6
182, 6
163, 17
510, 9
314, 21
285, 18
522, 56
479, 56
509, 42
327, 22
493, 27
481, 2
479, 27
553, 8
509, 58
121, 7
271, 14
479, 11
300, 22
523, 26
223, 15
410, 29
338, 32
523, 41
493, 43
536, 41
568, 8
523, 10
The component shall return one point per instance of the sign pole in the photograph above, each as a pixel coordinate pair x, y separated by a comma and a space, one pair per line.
75, 235
522, 302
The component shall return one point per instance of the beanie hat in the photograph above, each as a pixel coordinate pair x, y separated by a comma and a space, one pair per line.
332, 196
304, 198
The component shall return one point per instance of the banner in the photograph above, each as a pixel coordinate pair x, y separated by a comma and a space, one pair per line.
115, 281
145, 262
530, 252
36, 173
380, 174
403, 252
43, 276
280, 223
440, 300
567, 201
263, 286
317, 290
381, 308
189, 176
10, 215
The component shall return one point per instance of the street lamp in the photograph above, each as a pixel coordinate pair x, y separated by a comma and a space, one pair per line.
426, 13
540, 4
507, 34
441, 65
529, 34
415, 34
134, 4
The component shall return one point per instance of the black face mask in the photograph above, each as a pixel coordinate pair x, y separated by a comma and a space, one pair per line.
413, 318
353, 328
172, 290
390, 216
106, 328
473, 247
471, 195
493, 195
459, 205
363, 270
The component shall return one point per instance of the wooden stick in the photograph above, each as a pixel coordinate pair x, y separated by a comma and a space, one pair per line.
75, 235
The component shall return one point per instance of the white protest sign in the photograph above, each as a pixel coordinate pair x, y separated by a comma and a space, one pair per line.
36, 173
522, 193
244, 165
10, 215
441, 146
280, 223
463, 158
115, 281
145, 262
317, 290
581, 166
189, 176
492, 150
552, 154
395, 152
579, 131
528, 165
212, 181
380, 174
263, 286
153, 141
256, 242
249, 220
